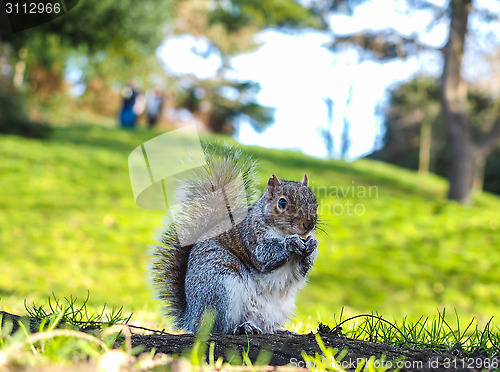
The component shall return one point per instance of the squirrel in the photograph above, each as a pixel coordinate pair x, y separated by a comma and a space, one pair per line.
250, 272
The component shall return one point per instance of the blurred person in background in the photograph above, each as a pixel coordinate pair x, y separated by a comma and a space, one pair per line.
154, 106
132, 105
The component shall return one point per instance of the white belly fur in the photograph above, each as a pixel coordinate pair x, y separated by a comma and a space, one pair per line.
266, 300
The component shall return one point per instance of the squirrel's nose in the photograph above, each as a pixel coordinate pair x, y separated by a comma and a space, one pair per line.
308, 225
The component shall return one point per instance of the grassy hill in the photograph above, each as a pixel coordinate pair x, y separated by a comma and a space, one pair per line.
390, 243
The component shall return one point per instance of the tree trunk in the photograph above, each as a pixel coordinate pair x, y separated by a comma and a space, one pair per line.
479, 176
454, 104
462, 168
424, 156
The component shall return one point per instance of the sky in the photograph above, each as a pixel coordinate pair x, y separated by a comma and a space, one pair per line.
296, 73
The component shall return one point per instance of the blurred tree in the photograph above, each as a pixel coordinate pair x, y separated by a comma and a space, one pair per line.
413, 114
111, 41
465, 151
414, 110
345, 138
118, 33
13, 117
220, 103
228, 28
326, 133
93, 26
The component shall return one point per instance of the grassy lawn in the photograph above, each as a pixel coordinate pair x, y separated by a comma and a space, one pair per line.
391, 243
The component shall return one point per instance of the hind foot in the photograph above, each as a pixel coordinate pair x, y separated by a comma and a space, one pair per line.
247, 328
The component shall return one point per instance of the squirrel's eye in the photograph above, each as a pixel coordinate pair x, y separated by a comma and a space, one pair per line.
282, 203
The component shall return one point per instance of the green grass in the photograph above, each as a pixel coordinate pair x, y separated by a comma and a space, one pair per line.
67, 347
69, 225
434, 334
54, 348
51, 346
76, 315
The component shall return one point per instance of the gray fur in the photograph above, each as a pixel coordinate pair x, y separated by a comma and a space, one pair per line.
250, 274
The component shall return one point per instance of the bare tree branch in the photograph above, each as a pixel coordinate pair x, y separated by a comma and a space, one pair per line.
382, 45
438, 15
424, 5
486, 15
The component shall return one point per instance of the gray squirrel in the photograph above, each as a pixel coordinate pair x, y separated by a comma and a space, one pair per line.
248, 273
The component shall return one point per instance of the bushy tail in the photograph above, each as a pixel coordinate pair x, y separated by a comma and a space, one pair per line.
189, 223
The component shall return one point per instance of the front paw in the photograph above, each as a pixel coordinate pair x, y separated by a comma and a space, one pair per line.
295, 244
247, 328
302, 247
311, 244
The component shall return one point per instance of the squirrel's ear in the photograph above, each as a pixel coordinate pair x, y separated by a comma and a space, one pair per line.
272, 184
304, 180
